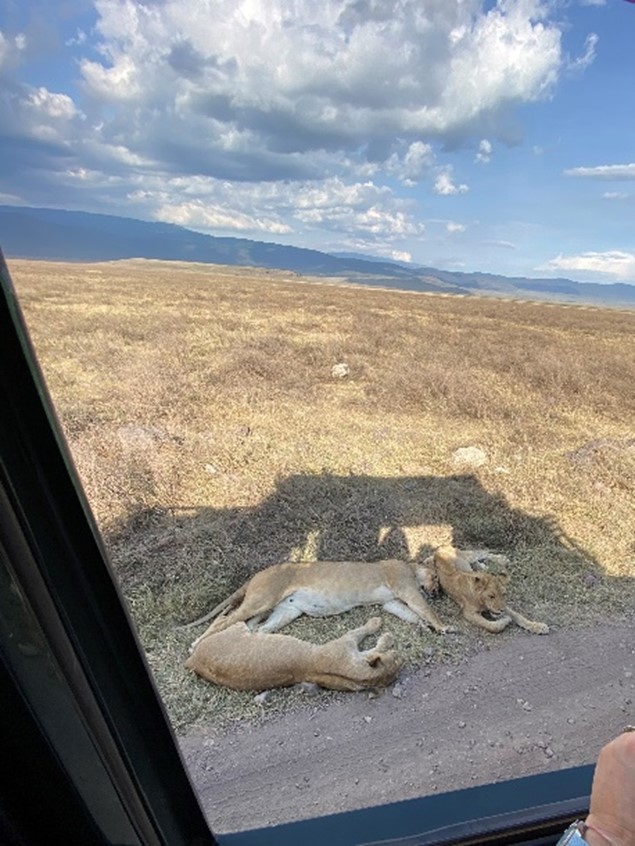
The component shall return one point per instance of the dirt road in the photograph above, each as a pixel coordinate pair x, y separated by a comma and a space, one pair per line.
527, 705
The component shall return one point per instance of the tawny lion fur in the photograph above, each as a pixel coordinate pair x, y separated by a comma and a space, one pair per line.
244, 660
475, 592
277, 595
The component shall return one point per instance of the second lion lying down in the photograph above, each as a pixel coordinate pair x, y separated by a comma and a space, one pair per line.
245, 660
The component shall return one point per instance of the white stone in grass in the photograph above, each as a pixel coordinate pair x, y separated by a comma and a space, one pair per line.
469, 457
340, 371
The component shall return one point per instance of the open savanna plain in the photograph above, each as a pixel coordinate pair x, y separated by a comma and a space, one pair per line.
213, 439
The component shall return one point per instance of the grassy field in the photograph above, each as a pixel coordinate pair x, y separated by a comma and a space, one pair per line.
212, 439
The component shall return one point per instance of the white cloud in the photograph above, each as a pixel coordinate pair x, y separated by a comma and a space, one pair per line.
452, 227
445, 185
587, 58
196, 215
11, 49
267, 115
410, 167
371, 247
36, 125
401, 255
614, 263
484, 153
500, 244
333, 75
360, 207
77, 40
615, 195
593, 2
617, 172
51, 105
364, 211
209, 205
120, 83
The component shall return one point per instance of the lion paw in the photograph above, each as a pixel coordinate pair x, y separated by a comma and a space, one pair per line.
386, 641
539, 628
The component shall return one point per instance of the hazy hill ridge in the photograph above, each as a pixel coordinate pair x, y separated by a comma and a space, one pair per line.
80, 236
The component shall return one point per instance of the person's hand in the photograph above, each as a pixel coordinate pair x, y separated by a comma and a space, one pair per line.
612, 808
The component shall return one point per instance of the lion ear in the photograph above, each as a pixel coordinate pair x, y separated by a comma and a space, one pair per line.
479, 577
504, 577
374, 660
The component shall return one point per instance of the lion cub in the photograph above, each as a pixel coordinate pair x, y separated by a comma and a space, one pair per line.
244, 660
475, 592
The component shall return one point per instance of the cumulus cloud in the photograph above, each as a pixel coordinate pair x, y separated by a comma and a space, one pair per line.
362, 207
361, 211
616, 172
451, 227
195, 214
184, 103
37, 128
410, 167
329, 76
50, 104
444, 184
615, 264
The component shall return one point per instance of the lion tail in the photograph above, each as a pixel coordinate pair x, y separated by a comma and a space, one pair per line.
231, 602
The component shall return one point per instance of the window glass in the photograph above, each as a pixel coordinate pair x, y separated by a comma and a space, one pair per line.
433, 350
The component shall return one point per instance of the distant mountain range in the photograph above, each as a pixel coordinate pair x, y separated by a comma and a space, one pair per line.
62, 235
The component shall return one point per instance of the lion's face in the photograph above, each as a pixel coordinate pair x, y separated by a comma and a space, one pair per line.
491, 591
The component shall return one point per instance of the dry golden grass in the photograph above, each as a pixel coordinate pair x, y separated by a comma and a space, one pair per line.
212, 440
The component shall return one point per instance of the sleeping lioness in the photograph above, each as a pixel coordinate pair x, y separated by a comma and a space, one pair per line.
475, 592
244, 660
280, 593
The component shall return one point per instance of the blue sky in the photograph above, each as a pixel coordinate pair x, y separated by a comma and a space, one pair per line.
492, 136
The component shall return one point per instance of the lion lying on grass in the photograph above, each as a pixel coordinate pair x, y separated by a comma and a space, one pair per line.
280, 593
475, 592
244, 660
